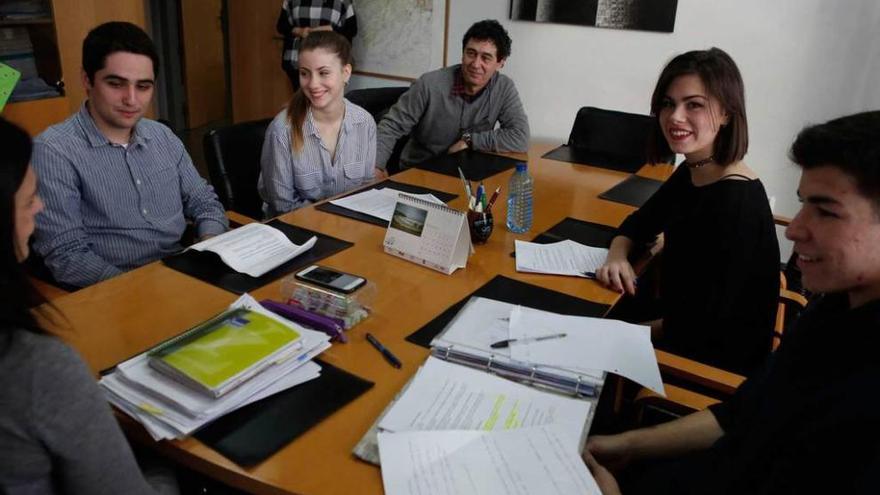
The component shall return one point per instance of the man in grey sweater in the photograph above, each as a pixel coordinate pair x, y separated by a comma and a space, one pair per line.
455, 108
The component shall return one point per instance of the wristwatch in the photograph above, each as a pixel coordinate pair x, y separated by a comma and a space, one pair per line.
466, 137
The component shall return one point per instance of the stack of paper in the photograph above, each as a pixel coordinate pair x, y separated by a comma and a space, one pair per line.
541, 460
378, 202
459, 430
169, 409
559, 258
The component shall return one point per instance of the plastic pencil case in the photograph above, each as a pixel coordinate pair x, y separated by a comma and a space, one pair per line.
350, 308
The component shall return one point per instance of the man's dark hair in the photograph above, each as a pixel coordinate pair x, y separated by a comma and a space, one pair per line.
489, 30
112, 37
722, 80
851, 144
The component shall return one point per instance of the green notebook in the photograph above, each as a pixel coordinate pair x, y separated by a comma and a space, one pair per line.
8, 80
224, 352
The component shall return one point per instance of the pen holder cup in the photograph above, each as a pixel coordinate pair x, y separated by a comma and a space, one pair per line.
480, 225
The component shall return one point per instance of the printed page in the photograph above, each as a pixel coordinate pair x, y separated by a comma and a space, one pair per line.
378, 202
559, 258
609, 345
541, 460
447, 396
254, 248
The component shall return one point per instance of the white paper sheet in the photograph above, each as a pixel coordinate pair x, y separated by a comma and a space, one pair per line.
559, 258
541, 460
446, 396
610, 345
378, 202
254, 248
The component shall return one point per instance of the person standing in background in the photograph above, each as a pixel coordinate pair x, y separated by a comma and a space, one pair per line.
300, 17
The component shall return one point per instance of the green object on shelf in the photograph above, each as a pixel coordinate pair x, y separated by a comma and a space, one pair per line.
8, 79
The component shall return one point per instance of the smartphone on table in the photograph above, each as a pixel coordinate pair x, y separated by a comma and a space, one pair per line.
331, 279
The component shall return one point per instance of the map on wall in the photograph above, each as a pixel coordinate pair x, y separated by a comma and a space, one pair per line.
399, 38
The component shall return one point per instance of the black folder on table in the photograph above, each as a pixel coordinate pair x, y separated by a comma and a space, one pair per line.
581, 231
633, 191
251, 434
400, 186
208, 267
475, 165
583, 156
511, 291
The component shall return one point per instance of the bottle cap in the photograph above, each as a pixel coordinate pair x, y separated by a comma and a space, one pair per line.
521, 166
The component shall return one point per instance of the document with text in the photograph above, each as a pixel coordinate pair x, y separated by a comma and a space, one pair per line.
378, 202
542, 459
559, 258
609, 345
254, 249
446, 396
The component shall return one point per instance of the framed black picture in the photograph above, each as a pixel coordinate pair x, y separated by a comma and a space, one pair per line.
644, 15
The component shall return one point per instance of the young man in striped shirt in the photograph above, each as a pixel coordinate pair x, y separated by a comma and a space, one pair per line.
118, 188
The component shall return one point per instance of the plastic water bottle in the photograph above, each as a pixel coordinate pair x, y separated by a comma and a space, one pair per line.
519, 200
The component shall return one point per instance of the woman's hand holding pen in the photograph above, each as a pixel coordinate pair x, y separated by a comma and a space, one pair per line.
617, 274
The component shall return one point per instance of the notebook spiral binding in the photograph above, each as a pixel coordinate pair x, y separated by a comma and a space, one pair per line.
529, 375
430, 204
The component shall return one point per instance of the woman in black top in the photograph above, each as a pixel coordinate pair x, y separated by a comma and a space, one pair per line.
719, 274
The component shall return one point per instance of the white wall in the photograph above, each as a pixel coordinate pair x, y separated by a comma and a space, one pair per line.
802, 61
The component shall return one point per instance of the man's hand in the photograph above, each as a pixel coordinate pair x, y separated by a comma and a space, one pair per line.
456, 147
607, 484
613, 451
380, 174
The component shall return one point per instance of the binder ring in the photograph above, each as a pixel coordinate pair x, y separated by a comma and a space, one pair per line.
448, 348
489, 362
532, 375
577, 387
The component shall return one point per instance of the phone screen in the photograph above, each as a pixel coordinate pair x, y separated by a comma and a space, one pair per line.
332, 279
323, 275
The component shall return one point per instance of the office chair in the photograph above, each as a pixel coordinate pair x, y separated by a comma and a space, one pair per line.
378, 101
706, 385
611, 138
233, 157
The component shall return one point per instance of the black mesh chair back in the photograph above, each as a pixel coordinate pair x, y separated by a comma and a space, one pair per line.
613, 134
233, 157
378, 101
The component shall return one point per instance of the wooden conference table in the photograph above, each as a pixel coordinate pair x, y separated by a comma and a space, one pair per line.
120, 317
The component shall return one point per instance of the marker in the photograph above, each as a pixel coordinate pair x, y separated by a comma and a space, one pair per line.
391, 358
506, 343
494, 197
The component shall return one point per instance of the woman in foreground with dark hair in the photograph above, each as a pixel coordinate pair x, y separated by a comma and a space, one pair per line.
719, 272
56, 429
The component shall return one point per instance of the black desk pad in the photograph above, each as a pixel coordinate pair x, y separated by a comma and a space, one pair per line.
582, 156
475, 165
400, 186
511, 291
634, 191
208, 267
251, 434
581, 231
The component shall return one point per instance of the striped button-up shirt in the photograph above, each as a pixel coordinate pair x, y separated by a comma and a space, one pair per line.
111, 208
289, 181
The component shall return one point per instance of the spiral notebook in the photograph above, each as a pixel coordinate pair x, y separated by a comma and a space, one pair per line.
428, 234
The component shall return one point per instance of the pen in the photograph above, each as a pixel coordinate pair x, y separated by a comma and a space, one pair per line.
494, 197
391, 358
467, 184
480, 193
506, 343
591, 275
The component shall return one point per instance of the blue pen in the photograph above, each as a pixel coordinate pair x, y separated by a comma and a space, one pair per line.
480, 192
391, 358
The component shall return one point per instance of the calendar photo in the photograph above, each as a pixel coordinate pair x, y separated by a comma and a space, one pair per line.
409, 219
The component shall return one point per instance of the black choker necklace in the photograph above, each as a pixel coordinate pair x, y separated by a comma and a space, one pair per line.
699, 163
